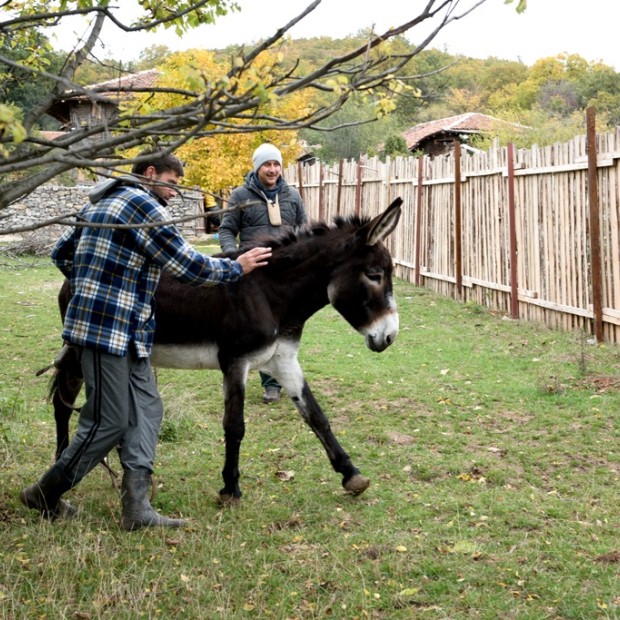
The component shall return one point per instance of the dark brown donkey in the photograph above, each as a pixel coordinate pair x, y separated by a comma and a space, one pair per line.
257, 323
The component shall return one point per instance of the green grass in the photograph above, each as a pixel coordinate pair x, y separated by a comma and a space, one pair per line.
492, 446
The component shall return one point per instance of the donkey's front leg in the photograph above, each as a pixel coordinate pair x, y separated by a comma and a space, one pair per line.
285, 367
234, 429
311, 411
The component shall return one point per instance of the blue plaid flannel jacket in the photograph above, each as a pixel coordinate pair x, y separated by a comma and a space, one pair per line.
113, 273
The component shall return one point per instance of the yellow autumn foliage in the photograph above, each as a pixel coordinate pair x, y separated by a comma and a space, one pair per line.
219, 162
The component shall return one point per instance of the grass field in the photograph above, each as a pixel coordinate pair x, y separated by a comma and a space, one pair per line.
492, 445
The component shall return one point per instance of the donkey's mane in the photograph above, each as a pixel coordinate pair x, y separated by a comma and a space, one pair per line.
309, 231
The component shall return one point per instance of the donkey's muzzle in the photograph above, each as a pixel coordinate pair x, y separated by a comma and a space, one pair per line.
382, 333
378, 344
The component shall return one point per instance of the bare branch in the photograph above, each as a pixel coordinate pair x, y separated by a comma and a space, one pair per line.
215, 108
54, 17
72, 219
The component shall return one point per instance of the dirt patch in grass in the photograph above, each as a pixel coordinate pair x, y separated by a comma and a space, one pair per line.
600, 383
400, 439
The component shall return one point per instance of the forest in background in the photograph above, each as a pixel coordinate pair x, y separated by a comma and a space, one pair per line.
547, 98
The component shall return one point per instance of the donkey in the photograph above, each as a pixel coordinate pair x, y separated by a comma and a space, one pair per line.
257, 324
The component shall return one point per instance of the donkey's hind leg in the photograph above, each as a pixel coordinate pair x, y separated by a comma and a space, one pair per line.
235, 377
64, 390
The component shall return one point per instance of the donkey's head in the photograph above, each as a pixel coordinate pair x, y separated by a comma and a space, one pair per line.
361, 286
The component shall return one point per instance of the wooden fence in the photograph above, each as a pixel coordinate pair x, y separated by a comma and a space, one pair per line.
533, 233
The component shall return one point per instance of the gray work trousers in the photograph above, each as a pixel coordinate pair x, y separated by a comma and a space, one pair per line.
123, 409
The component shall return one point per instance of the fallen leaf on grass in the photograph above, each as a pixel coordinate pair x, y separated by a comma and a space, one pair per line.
285, 475
464, 546
409, 592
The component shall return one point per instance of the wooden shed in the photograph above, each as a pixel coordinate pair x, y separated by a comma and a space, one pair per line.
437, 137
100, 101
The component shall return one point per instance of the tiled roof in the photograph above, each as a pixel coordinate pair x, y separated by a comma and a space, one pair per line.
471, 122
143, 79
119, 87
52, 135
109, 92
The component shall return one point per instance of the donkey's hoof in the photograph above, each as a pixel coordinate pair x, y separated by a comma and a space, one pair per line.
357, 484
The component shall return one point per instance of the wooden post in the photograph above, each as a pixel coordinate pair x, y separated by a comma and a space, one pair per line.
300, 181
514, 289
418, 220
339, 194
595, 226
358, 189
458, 228
321, 197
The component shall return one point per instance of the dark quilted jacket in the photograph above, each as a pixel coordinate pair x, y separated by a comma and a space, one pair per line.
253, 221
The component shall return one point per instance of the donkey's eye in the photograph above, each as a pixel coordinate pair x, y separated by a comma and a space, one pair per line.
375, 276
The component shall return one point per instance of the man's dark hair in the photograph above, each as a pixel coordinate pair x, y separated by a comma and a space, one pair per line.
161, 163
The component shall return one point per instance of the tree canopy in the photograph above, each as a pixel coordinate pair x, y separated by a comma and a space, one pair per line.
219, 162
240, 100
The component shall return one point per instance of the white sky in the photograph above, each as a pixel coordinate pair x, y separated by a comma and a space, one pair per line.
547, 28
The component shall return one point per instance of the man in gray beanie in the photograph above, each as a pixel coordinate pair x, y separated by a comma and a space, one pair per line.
279, 208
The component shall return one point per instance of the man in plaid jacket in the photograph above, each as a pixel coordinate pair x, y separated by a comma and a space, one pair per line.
113, 270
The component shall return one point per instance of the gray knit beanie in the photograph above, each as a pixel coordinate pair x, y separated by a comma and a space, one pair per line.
264, 153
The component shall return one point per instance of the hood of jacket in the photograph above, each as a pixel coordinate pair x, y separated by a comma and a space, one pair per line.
101, 190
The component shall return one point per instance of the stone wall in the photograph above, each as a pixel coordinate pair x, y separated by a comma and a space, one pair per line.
51, 201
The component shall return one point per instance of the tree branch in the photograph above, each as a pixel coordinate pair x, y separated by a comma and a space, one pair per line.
215, 108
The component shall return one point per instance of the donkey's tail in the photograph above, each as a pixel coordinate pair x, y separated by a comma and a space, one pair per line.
66, 381
42, 371
66, 357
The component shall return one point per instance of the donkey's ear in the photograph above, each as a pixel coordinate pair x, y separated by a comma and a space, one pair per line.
383, 225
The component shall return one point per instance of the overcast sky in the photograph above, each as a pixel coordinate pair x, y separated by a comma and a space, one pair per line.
547, 28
